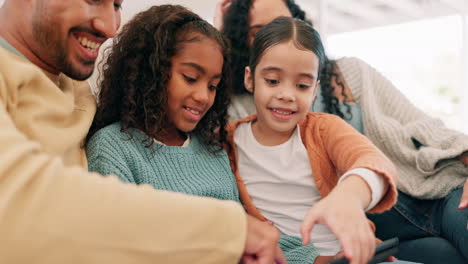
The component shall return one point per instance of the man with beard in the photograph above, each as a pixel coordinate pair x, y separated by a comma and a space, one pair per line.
51, 209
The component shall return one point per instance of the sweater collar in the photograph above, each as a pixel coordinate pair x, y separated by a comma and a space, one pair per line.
4, 44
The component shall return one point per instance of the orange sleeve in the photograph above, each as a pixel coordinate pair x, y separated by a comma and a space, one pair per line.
349, 149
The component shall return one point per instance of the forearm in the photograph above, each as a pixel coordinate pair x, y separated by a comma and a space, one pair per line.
354, 186
53, 214
83, 220
376, 182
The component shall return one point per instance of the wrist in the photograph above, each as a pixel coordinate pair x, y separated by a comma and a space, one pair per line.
354, 187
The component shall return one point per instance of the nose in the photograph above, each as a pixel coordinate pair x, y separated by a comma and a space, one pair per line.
285, 94
107, 20
202, 94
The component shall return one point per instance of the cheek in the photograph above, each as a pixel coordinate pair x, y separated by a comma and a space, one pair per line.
118, 20
212, 98
261, 97
306, 100
172, 94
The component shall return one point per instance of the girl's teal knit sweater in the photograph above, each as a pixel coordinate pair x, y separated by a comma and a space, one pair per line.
194, 169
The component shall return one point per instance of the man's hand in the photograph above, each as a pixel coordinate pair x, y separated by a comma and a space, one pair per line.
221, 8
261, 245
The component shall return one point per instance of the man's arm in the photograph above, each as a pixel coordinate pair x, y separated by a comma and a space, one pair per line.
53, 214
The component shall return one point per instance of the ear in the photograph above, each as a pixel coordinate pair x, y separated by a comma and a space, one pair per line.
248, 79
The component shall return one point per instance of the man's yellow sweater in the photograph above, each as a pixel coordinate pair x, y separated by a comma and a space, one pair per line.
53, 211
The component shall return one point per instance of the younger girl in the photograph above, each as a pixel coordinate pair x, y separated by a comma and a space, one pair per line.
288, 160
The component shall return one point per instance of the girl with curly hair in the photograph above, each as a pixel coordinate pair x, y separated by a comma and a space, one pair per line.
162, 106
431, 214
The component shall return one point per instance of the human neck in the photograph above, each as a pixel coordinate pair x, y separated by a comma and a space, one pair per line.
172, 138
267, 136
12, 34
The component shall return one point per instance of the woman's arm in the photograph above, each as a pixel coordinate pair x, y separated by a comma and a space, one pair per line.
396, 123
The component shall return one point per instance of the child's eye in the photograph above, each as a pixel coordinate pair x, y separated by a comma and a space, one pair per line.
189, 79
303, 86
271, 81
212, 87
117, 5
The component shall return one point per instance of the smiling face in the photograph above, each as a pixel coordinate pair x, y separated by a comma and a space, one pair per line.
284, 86
263, 12
195, 73
66, 35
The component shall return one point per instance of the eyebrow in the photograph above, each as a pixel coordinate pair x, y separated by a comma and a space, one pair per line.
273, 68
307, 75
200, 69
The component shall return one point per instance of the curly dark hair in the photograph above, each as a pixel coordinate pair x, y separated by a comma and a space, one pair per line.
236, 29
133, 81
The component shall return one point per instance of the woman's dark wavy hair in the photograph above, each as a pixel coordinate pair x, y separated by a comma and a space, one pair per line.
236, 29
133, 86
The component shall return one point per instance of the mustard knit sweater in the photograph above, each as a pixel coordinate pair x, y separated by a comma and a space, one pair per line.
53, 211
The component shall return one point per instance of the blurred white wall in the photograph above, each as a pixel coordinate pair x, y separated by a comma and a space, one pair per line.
204, 8
427, 67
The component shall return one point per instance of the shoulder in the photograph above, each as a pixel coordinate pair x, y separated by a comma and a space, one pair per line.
17, 68
109, 137
233, 125
321, 119
349, 62
320, 124
109, 131
15, 72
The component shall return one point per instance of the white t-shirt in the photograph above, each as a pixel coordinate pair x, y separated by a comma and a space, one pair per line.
280, 182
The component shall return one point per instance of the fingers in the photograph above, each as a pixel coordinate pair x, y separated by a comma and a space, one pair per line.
279, 257
221, 8
358, 244
464, 197
464, 158
307, 224
225, 5
247, 259
368, 243
261, 245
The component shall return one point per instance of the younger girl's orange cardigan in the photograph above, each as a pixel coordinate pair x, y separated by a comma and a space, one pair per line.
334, 147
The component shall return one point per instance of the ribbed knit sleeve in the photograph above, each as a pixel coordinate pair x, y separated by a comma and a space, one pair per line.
53, 213
106, 158
295, 252
50, 213
394, 124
